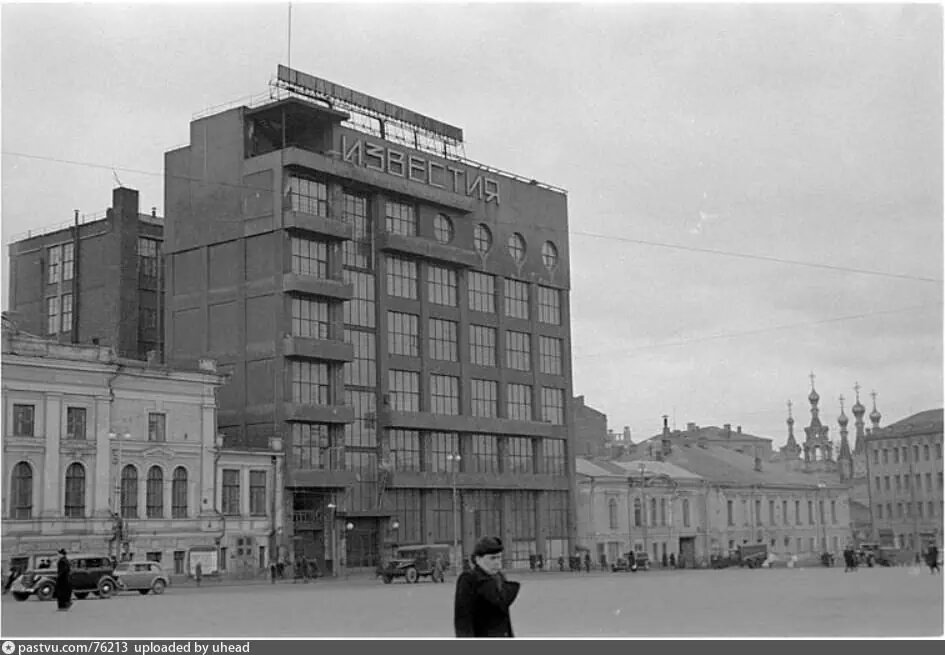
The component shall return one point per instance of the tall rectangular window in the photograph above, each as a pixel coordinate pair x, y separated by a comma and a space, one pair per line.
406, 506
405, 450
231, 492
310, 381
483, 397
441, 285
443, 447
797, 512
784, 512
310, 318
400, 218
481, 292
518, 350
443, 340
307, 196
157, 426
482, 345
363, 430
75, 423
149, 251
520, 455
516, 299
53, 259
771, 520
444, 394
401, 278
553, 457
66, 312
309, 257
52, 315
810, 512
404, 390
359, 310
68, 261
549, 355
758, 512
403, 334
362, 370
257, 493
552, 405
310, 446
549, 305
519, 401
730, 512
485, 453
23, 420
358, 252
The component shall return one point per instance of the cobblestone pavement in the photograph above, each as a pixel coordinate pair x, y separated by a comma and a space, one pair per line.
894, 602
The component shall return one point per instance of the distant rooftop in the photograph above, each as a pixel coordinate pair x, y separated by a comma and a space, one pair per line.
84, 219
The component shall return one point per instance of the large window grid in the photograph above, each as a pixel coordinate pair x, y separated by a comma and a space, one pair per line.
68, 260
54, 258
157, 426
443, 445
310, 383
310, 318
405, 450
483, 396
359, 251
557, 514
257, 493
552, 405
66, 305
128, 494
179, 494
400, 218
359, 310
24, 420
482, 351
230, 492
484, 449
75, 423
485, 507
518, 350
75, 492
549, 305
149, 253
519, 455
444, 394
519, 401
307, 196
404, 390
481, 292
310, 445
516, 299
523, 514
362, 370
52, 315
441, 505
405, 504
362, 432
549, 355
401, 277
553, 457
403, 334
155, 493
309, 257
443, 340
441, 285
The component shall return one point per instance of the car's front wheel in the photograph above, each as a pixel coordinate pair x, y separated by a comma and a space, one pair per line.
106, 587
411, 575
46, 591
158, 587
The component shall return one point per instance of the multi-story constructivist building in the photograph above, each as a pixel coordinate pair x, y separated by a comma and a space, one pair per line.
398, 313
96, 280
905, 471
113, 455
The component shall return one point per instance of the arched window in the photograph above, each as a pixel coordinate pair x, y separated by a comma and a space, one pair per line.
129, 492
21, 491
549, 255
685, 512
155, 493
637, 512
612, 511
179, 494
75, 491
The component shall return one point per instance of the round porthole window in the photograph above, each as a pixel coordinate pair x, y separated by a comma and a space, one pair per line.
443, 228
516, 246
549, 255
482, 238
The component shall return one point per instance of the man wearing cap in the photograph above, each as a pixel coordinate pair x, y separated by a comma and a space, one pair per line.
63, 583
483, 595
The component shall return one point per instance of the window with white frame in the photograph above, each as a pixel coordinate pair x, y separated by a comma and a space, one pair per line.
482, 350
404, 388
311, 384
549, 355
403, 334
310, 318
405, 450
75, 423
549, 305
481, 292
309, 257
307, 196
516, 299
230, 492
66, 305
441, 285
68, 261
257, 493
519, 401
53, 260
442, 228
485, 453
400, 218
24, 422
52, 315
444, 394
553, 457
518, 350
520, 455
310, 445
157, 426
443, 340
483, 397
149, 253
401, 277
552, 405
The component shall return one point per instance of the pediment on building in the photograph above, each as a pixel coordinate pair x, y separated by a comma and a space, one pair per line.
159, 453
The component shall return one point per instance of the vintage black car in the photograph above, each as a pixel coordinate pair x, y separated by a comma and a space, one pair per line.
414, 562
640, 561
89, 573
752, 555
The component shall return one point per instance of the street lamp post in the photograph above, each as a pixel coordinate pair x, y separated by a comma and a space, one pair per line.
455, 459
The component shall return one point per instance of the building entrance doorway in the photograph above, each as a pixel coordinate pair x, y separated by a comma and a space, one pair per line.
687, 552
362, 550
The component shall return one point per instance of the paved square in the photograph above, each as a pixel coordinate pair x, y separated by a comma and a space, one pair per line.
729, 603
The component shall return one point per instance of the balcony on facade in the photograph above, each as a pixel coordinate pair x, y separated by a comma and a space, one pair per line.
389, 418
427, 249
325, 226
318, 413
316, 286
323, 349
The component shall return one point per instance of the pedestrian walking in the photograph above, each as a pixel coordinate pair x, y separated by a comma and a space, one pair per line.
272, 572
198, 573
587, 562
672, 560
14, 574
931, 558
63, 583
483, 595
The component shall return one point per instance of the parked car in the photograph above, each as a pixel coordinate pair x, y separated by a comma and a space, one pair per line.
639, 562
89, 573
752, 555
414, 562
141, 576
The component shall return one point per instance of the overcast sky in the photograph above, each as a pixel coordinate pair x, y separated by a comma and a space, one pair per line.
688, 137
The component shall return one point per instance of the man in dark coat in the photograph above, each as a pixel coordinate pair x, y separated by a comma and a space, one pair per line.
63, 584
931, 558
483, 595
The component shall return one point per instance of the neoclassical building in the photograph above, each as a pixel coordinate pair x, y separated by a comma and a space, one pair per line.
112, 455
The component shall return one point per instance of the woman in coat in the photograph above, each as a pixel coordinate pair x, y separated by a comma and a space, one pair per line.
483, 595
63, 584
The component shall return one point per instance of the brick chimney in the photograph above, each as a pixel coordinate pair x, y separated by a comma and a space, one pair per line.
626, 433
739, 429
666, 447
728, 430
665, 424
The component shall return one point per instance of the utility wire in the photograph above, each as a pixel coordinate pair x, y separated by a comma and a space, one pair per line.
592, 235
744, 333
